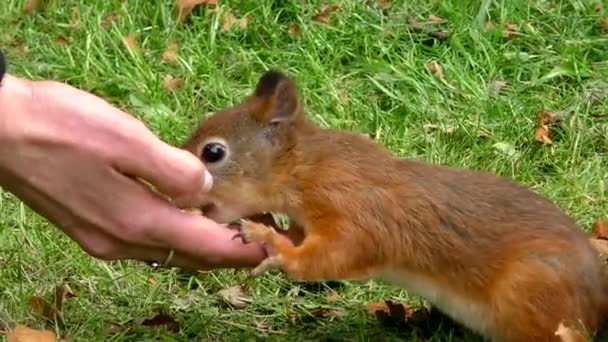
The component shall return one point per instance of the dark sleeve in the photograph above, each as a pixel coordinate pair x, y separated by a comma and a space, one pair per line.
2, 66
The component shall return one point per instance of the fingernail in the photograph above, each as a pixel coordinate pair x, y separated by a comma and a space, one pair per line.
207, 181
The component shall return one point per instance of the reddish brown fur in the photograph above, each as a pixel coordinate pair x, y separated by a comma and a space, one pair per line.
496, 256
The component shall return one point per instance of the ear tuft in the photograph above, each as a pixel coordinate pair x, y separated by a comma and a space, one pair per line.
269, 82
279, 98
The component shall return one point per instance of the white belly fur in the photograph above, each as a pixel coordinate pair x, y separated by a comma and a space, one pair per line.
474, 315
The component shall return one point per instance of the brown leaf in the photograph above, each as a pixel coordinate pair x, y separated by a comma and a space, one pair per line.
293, 29
603, 24
332, 295
229, 20
415, 24
542, 135
544, 121
439, 35
170, 53
435, 19
599, 230
329, 313
489, 25
61, 294
61, 40
108, 19
33, 5
323, 16
131, 43
152, 281
183, 8
163, 320
22, 333
437, 70
172, 83
483, 133
598, 7
38, 304
384, 4
75, 21
434, 68
343, 95
396, 311
509, 31
243, 23
113, 328
234, 296
496, 86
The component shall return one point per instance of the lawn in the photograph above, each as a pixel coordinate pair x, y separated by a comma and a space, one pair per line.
452, 82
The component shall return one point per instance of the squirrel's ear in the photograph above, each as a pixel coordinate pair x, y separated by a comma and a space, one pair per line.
278, 98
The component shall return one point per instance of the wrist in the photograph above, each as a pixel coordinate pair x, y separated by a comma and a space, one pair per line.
15, 101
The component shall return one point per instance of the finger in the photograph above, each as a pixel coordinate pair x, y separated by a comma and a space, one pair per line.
174, 172
205, 241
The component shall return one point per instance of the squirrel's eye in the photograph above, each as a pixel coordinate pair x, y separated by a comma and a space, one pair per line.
213, 152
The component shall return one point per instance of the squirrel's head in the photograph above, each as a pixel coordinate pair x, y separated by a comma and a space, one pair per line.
245, 149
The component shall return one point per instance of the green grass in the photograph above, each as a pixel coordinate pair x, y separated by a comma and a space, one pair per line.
363, 71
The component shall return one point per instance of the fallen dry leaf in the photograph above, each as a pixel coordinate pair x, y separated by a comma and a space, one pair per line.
38, 304
384, 4
599, 230
416, 26
542, 135
75, 18
603, 24
152, 281
483, 133
489, 25
332, 295
436, 69
112, 328
388, 309
435, 19
22, 333
544, 121
108, 19
170, 53
293, 29
32, 5
61, 295
163, 320
509, 31
328, 313
235, 296
61, 40
183, 8
496, 86
229, 20
172, 83
343, 95
598, 7
323, 15
131, 43
568, 334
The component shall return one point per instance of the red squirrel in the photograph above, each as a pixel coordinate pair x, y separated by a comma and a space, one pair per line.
495, 256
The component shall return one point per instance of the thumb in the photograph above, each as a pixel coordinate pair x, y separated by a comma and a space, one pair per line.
175, 172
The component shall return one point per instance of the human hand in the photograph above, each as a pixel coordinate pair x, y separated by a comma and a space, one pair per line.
81, 163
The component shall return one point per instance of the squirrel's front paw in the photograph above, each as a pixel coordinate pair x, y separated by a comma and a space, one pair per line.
250, 231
